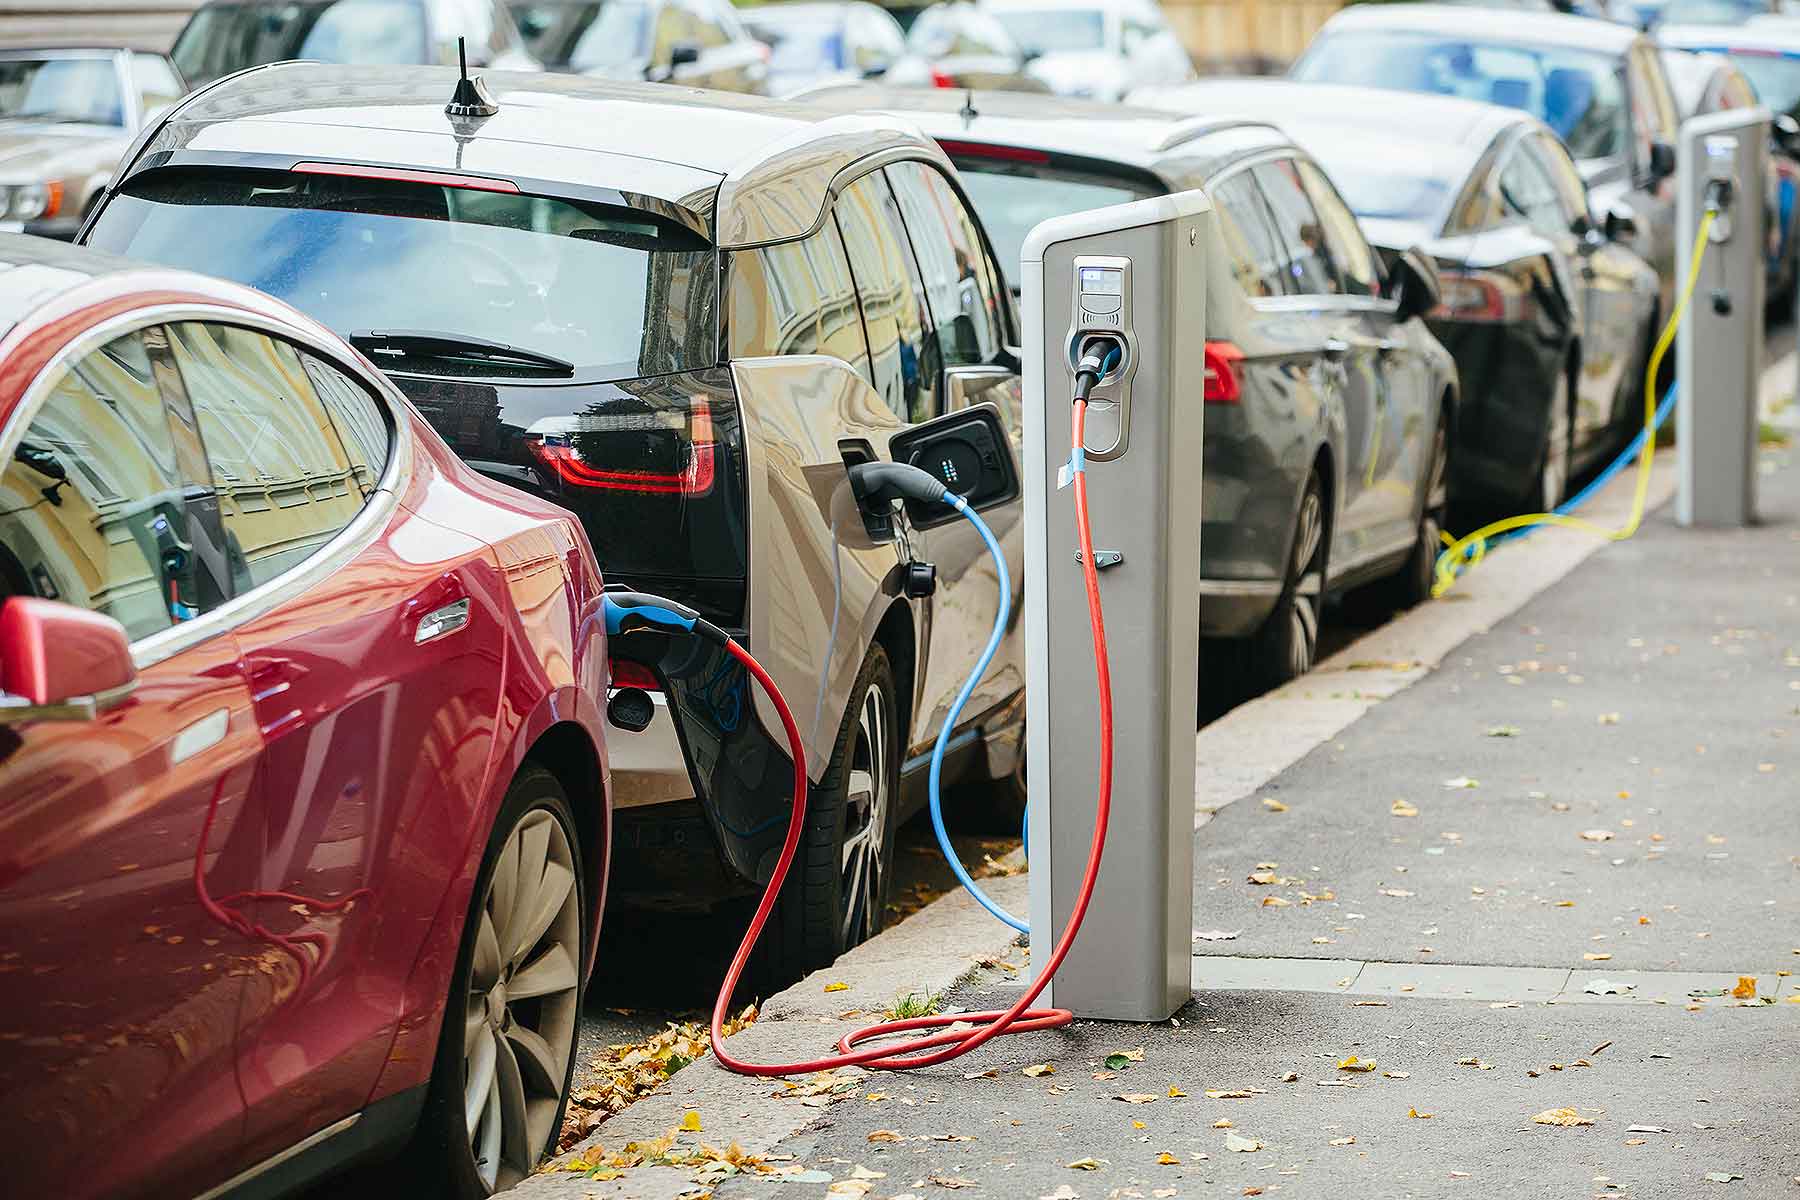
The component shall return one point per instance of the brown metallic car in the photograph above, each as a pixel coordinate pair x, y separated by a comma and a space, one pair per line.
682, 315
66, 115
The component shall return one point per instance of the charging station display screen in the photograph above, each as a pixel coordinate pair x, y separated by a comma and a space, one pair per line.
1101, 281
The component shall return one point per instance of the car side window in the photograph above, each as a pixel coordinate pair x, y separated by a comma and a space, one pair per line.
1344, 240
1526, 190
94, 503
797, 298
156, 82
1258, 259
1571, 190
1653, 116
1310, 271
961, 285
902, 352
359, 420
285, 482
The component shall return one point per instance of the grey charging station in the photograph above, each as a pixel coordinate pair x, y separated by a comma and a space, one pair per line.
1719, 346
1136, 271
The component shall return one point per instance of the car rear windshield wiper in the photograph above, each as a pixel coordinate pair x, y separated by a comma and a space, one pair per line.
423, 343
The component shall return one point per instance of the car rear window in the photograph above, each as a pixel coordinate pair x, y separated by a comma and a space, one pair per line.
1012, 197
613, 292
222, 38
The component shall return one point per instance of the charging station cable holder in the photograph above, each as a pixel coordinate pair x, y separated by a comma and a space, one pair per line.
1718, 349
1137, 273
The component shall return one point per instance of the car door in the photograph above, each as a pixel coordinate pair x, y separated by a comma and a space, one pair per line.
123, 955
1615, 300
371, 727
964, 294
1406, 376
1346, 343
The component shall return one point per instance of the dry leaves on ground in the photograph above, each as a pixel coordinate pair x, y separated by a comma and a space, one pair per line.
1566, 1117
1037, 1069
632, 1070
1354, 1063
1241, 1144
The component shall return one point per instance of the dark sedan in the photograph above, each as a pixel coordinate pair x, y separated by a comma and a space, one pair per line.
1548, 313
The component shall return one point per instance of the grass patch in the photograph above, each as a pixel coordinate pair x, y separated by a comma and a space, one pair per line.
912, 1004
1771, 435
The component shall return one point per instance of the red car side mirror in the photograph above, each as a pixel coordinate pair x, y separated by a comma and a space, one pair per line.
59, 662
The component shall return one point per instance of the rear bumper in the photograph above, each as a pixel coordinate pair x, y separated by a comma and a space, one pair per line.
648, 767
1236, 607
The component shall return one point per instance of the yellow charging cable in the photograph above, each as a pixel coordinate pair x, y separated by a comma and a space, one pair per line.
1471, 548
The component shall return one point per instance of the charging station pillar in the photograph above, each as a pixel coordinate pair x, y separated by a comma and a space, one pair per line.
1718, 350
1136, 271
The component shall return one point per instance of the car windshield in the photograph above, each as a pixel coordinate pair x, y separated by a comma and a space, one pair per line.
1011, 198
1776, 78
610, 34
1056, 30
800, 47
1375, 190
604, 288
71, 90
222, 38
1578, 93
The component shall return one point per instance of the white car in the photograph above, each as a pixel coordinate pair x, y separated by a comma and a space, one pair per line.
1093, 49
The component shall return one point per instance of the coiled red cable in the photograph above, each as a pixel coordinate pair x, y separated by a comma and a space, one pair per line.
1020, 1017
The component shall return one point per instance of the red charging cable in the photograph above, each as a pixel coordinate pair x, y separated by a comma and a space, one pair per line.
1021, 1017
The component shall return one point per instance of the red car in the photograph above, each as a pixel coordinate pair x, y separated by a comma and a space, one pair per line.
303, 789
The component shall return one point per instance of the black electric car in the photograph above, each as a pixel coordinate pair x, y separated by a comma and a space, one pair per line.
681, 315
1329, 404
1548, 309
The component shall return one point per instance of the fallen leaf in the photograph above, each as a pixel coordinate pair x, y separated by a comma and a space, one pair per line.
1139, 1125
953, 1182
1274, 805
1165, 1159
837, 987
1567, 1117
1263, 878
1396, 1074
1647, 1129
1635, 1141
1275, 902
887, 1135
1222, 1123
1398, 893
1597, 835
1354, 1063
1745, 989
691, 1122
1477, 1063
1084, 1164
1216, 935
1368, 1004
850, 1187
1401, 808
1242, 1144
1592, 957
1609, 718
1461, 782
1062, 1192
1139, 1097
1721, 1176
1037, 1069
1175, 1093
1417, 1115
1503, 731
1230, 1094
1606, 987
1291, 1077
1343, 1141
1251, 1191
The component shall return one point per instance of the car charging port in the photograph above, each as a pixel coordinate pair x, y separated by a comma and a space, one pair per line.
1101, 358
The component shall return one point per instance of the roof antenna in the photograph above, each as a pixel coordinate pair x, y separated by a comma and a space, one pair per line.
967, 112
471, 98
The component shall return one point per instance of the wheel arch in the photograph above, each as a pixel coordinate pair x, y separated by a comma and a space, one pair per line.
567, 750
897, 634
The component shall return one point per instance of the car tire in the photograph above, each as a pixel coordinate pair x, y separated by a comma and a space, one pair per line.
1411, 585
836, 892
523, 1045
1285, 647
1550, 482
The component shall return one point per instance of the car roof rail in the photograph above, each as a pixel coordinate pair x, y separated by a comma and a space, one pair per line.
1188, 130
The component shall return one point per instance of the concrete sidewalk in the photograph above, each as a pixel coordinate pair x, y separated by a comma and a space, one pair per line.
1503, 876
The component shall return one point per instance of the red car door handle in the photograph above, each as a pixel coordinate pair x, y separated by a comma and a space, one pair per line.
442, 621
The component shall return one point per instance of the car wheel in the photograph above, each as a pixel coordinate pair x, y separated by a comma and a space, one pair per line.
1412, 584
1553, 461
836, 893
500, 1081
1285, 646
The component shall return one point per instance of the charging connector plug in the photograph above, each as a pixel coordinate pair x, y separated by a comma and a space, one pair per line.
1098, 356
1718, 195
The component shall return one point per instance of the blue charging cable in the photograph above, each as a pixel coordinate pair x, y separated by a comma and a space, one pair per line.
1001, 618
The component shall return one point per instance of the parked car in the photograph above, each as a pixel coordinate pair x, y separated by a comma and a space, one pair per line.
825, 43
963, 45
1546, 308
681, 317
66, 115
302, 756
1329, 405
1705, 82
1600, 87
223, 36
1095, 50
697, 43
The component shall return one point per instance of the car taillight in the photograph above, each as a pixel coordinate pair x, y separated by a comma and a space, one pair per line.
942, 79
1222, 383
608, 450
627, 674
958, 150
1479, 296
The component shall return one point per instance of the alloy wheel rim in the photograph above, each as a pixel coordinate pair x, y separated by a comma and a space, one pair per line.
1309, 587
520, 1017
1555, 475
865, 821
